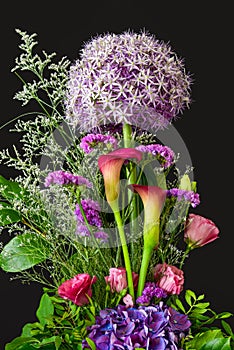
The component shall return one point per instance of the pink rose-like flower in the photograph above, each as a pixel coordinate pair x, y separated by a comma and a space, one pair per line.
117, 279
169, 278
77, 289
200, 231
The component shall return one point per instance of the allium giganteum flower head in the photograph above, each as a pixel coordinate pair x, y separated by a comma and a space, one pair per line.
129, 78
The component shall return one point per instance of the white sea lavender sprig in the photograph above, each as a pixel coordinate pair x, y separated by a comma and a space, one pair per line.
127, 78
53, 84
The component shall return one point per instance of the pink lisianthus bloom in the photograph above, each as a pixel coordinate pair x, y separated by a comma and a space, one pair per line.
199, 231
77, 289
128, 300
169, 278
117, 279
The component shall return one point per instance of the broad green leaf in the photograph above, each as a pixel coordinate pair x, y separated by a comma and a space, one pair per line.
9, 216
201, 339
11, 189
217, 344
23, 252
45, 310
224, 315
18, 343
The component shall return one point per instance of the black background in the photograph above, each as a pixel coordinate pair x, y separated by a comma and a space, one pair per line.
199, 33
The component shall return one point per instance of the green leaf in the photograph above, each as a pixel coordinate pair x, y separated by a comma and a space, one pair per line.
10, 189
91, 343
203, 338
180, 305
45, 310
23, 252
202, 305
217, 344
227, 328
9, 216
17, 343
224, 315
189, 294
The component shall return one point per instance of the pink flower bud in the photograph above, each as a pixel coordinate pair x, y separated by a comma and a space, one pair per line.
77, 289
199, 231
169, 278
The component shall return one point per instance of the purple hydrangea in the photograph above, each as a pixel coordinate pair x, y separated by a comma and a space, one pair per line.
60, 177
189, 196
151, 327
159, 151
149, 292
91, 140
127, 78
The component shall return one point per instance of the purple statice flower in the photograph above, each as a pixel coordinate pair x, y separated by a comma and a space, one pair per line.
150, 291
92, 212
126, 78
60, 177
189, 196
160, 151
102, 236
149, 327
89, 141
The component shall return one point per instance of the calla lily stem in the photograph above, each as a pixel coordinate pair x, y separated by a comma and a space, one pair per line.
127, 262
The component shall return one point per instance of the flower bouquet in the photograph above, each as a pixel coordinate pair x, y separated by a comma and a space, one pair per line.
100, 213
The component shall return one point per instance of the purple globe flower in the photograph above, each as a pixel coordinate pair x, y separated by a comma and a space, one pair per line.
126, 78
149, 327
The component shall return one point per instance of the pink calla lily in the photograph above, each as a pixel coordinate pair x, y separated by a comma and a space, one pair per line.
153, 199
110, 166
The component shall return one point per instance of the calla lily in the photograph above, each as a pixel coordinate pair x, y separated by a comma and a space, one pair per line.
153, 199
110, 166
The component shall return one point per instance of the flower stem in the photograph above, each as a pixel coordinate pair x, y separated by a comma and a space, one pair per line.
119, 223
147, 253
132, 178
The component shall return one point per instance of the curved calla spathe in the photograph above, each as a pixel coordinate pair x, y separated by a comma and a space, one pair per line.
153, 198
110, 166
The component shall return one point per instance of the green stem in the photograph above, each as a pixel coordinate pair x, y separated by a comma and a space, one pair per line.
147, 253
125, 252
132, 178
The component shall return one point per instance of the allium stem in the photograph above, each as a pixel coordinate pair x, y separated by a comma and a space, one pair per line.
132, 178
127, 262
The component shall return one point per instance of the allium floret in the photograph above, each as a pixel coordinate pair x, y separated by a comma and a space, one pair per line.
126, 78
